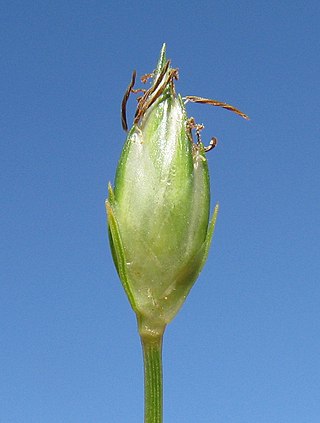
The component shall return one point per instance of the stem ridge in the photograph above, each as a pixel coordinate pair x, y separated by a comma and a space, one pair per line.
153, 386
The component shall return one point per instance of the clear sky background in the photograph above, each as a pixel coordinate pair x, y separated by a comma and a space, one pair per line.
245, 348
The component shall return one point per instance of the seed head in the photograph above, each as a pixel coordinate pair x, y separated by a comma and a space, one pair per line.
158, 212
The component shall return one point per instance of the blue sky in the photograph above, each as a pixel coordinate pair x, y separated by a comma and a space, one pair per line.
245, 347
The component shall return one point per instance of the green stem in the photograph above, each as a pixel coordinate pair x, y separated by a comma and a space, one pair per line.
152, 358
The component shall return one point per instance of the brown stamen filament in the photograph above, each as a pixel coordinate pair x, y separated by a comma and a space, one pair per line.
202, 100
125, 100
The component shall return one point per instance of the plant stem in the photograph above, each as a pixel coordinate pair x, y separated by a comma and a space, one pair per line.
152, 358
